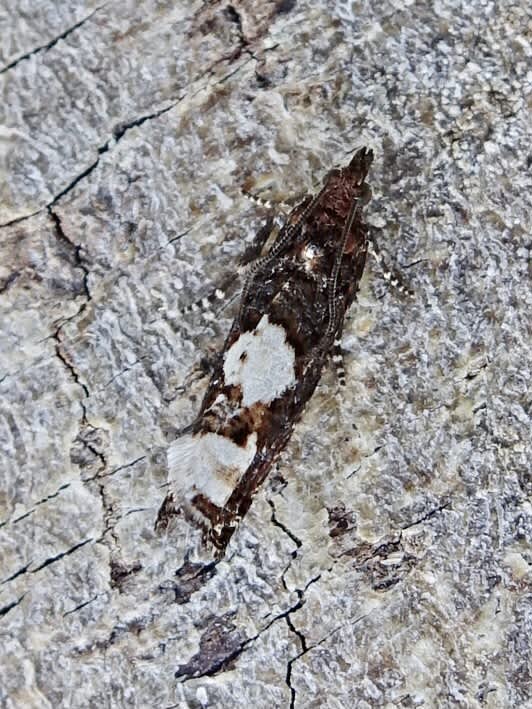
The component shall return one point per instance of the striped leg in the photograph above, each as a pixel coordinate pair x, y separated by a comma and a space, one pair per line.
389, 274
207, 305
338, 361
212, 304
266, 203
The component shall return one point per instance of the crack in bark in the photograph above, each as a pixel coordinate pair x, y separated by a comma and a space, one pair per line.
95, 452
109, 518
176, 238
308, 648
428, 515
80, 606
283, 527
304, 648
70, 186
297, 632
122, 371
234, 16
36, 504
135, 510
121, 129
244, 43
9, 606
62, 236
75, 376
365, 457
108, 508
39, 502
291, 536
475, 372
109, 537
60, 323
220, 664
8, 281
118, 134
21, 571
116, 470
53, 559
252, 57
45, 47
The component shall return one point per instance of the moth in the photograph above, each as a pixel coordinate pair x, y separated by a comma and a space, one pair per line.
291, 315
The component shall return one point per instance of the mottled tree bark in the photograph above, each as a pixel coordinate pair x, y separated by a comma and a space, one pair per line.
387, 560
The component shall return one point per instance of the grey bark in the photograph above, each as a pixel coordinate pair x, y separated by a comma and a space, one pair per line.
387, 560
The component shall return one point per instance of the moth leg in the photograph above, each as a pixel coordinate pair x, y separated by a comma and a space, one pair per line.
338, 361
274, 201
391, 275
274, 226
211, 304
266, 203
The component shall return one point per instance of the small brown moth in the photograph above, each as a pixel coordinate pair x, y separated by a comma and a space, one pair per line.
291, 315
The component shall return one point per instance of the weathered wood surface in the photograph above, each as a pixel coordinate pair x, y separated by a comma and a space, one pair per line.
388, 561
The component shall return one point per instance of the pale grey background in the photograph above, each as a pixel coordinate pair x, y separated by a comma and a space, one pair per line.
387, 561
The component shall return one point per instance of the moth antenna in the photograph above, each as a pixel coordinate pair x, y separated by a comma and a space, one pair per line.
253, 251
332, 280
286, 237
288, 231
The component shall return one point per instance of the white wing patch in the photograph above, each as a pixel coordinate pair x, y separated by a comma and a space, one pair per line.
209, 464
261, 362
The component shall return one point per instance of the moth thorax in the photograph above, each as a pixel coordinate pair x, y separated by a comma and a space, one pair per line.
311, 255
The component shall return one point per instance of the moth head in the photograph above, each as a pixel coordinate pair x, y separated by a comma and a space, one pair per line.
353, 175
344, 186
360, 163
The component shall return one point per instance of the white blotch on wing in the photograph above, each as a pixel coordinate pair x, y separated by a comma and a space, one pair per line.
311, 255
261, 362
209, 464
